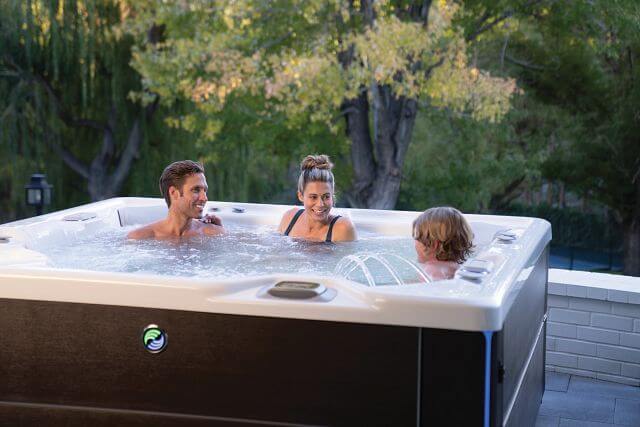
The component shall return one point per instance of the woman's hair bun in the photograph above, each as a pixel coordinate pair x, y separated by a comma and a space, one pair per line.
315, 168
318, 161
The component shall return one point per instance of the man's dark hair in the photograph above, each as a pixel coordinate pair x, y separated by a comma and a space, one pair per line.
175, 174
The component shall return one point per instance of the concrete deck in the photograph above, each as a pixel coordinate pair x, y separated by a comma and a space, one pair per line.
572, 401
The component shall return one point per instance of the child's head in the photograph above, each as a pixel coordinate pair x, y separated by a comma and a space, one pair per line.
444, 233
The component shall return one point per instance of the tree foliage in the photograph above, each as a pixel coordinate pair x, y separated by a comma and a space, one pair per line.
580, 57
479, 166
89, 88
316, 62
66, 109
66, 77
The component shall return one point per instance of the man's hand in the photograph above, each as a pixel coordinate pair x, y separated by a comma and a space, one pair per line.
211, 219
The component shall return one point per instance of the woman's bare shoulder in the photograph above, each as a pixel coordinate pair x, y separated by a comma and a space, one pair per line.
344, 230
286, 218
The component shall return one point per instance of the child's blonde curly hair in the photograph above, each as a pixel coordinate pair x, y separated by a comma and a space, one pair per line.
447, 226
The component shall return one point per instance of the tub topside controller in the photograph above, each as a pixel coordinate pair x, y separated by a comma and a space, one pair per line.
297, 290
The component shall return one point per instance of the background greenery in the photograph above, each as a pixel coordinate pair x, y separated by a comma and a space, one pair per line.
84, 81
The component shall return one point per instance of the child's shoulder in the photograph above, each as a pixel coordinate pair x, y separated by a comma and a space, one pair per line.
440, 270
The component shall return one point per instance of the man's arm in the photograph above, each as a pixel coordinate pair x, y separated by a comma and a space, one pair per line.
213, 230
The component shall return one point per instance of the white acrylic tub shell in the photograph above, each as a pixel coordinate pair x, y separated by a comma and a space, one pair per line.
451, 304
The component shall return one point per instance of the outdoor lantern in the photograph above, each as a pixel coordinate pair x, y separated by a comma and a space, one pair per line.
38, 192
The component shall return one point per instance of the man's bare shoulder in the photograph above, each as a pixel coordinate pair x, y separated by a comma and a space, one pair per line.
146, 232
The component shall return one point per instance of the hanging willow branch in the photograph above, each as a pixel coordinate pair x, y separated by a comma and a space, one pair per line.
61, 111
78, 77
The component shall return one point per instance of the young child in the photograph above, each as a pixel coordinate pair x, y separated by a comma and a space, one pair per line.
443, 241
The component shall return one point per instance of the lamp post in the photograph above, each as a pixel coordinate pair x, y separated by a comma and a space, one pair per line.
38, 192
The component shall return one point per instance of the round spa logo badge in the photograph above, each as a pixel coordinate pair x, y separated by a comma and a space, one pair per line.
154, 339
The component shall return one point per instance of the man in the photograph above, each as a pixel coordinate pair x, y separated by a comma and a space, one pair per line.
184, 188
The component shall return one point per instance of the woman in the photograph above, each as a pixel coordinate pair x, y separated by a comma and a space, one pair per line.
316, 191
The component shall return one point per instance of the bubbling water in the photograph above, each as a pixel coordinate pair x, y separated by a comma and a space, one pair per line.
240, 252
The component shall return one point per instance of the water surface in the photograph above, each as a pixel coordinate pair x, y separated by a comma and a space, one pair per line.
240, 252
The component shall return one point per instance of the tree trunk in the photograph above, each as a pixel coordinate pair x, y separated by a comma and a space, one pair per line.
632, 246
631, 226
394, 119
364, 166
101, 183
550, 192
378, 161
509, 193
376, 181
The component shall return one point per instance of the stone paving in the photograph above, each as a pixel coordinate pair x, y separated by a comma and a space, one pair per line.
572, 401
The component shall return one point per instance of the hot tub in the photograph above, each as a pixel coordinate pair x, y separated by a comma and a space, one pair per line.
84, 347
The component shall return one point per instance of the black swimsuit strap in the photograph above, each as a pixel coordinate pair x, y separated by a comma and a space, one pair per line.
330, 232
293, 222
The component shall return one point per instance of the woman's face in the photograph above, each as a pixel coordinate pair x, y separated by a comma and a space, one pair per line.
317, 200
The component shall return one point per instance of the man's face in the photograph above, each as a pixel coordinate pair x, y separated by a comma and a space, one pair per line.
191, 200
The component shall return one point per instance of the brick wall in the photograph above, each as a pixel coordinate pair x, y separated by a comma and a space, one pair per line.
593, 328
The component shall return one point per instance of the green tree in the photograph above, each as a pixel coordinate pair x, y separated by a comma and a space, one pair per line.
479, 166
357, 66
582, 57
65, 82
65, 79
